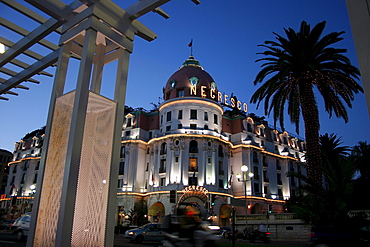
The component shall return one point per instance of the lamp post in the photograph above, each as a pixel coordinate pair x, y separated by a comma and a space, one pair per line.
245, 177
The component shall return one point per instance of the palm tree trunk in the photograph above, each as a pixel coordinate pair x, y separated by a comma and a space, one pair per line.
310, 115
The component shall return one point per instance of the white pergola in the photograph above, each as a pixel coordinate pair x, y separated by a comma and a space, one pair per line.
75, 202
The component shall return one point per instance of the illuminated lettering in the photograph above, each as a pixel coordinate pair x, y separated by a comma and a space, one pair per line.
225, 99
212, 93
245, 107
220, 97
203, 91
238, 105
193, 90
232, 102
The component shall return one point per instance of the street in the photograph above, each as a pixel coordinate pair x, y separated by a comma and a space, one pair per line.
120, 241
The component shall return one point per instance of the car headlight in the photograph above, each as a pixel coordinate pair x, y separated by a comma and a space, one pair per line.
131, 233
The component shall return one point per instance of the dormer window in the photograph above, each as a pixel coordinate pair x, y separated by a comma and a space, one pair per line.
129, 122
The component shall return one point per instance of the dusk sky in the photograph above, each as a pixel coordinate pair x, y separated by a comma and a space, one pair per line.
225, 34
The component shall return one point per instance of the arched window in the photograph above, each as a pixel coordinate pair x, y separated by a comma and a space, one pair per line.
193, 146
163, 148
220, 151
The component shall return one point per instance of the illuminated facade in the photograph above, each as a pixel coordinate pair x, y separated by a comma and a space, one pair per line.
191, 144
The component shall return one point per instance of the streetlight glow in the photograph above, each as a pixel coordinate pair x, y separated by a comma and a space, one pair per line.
244, 168
2, 48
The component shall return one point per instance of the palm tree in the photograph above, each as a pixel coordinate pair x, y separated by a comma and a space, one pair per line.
293, 68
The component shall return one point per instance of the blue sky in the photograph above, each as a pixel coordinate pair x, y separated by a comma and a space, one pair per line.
225, 34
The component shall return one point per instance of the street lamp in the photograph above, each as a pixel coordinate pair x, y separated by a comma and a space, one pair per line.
245, 177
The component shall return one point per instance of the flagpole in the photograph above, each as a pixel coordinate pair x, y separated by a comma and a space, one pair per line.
191, 47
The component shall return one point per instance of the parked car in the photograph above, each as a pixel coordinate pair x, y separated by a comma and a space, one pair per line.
148, 232
21, 226
5, 224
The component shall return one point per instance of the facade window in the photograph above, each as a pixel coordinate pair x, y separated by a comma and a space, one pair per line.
255, 158
206, 127
163, 148
176, 159
264, 161
121, 168
15, 168
168, 118
193, 180
123, 152
256, 189
205, 116
150, 135
162, 182
193, 164
120, 183
193, 114
34, 179
179, 126
193, 126
221, 168
179, 115
193, 146
161, 119
37, 165
168, 128
162, 166
147, 167
278, 165
215, 119
128, 133
180, 93
265, 176
220, 151
256, 173
279, 181
221, 183
280, 193
22, 180
265, 190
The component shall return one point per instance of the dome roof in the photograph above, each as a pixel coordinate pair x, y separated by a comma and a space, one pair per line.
190, 80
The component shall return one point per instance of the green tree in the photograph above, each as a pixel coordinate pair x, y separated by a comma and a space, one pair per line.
329, 205
294, 68
361, 156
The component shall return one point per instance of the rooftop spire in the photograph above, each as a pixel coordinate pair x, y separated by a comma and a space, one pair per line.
191, 62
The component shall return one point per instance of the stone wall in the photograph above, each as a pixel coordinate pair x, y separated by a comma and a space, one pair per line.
283, 227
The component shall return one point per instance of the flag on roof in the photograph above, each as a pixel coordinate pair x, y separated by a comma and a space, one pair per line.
191, 43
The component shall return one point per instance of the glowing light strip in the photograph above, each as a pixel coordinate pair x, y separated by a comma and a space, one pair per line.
196, 100
210, 192
23, 159
232, 146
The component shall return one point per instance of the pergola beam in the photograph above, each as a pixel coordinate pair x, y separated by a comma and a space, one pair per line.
27, 12
32, 38
29, 72
20, 30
